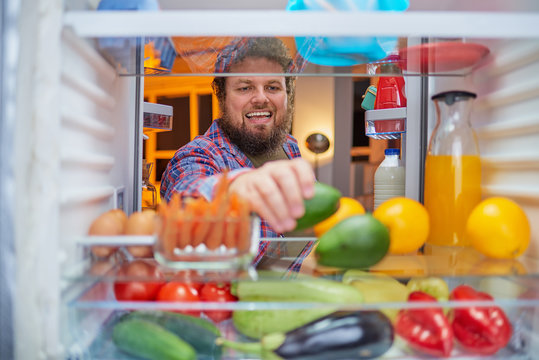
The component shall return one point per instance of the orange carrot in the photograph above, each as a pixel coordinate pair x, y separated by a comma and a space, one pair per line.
185, 222
231, 228
244, 228
201, 224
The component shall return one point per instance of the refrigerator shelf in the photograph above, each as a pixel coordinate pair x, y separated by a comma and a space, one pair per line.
518, 296
433, 261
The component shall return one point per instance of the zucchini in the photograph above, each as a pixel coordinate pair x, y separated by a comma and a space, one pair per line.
322, 205
150, 341
257, 323
339, 335
197, 332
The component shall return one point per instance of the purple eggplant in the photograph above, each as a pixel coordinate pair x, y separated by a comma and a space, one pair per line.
339, 335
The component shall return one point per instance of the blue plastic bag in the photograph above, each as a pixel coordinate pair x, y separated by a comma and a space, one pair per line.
345, 51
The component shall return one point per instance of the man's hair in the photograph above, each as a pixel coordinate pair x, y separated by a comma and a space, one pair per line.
260, 47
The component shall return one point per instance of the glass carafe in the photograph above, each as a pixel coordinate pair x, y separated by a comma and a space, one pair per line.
452, 169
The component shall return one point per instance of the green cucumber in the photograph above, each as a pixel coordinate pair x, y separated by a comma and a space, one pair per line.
322, 205
197, 332
150, 341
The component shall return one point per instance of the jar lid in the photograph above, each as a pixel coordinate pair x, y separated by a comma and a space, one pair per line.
454, 95
392, 151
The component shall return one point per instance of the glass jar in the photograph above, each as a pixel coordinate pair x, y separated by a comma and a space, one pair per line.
149, 192
452, 169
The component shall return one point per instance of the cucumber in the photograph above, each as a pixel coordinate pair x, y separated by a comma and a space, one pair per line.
322, 205
150, 341
197, 332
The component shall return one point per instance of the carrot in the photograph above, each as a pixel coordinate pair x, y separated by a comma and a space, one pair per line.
201, 224
231, 228
185, 223
244, 228
218, 211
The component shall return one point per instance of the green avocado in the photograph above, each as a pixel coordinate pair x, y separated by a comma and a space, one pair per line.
357, 242
322, 205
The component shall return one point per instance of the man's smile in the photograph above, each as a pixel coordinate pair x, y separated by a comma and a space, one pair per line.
259, 117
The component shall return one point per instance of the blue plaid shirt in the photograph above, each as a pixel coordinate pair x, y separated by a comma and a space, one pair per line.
196, 167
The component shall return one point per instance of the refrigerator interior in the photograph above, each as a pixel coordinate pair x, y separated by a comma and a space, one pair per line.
78, 143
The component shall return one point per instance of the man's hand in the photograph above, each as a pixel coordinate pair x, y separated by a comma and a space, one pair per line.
276, 191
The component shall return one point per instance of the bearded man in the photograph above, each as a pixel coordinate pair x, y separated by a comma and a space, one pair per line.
251, 139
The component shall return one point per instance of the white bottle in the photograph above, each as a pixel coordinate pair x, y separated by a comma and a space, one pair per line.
389, 178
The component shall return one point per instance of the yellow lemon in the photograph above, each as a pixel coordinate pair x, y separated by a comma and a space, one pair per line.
407, 221
347, 207
498, 228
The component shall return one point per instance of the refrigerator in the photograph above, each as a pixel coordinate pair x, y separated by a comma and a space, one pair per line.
71, 143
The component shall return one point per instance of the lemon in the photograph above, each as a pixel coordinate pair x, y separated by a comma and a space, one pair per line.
498, 228
347, 207
407, 221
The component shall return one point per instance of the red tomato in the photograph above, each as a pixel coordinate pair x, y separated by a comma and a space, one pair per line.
189, 277
140, 288
217, 293
180, 292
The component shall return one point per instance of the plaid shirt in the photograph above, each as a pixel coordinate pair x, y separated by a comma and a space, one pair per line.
196, 167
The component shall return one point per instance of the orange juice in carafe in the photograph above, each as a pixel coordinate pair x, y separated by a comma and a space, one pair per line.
452, 169
452, 190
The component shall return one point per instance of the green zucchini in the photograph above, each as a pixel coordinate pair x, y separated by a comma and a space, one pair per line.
150, 341
257, 323
322, 205
197, 332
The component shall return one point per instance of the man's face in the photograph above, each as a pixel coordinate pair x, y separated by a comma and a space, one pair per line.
255, 114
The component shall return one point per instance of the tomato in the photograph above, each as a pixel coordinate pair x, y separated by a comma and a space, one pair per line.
175, 291
141, 288
217, 293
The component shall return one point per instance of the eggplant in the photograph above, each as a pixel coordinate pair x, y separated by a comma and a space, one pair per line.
339, 335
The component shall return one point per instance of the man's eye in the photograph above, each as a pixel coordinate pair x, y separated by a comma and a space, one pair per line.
273, 88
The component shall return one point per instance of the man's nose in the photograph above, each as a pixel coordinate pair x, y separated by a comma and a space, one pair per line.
259, 96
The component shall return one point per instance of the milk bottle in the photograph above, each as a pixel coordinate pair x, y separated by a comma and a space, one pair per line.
389, 178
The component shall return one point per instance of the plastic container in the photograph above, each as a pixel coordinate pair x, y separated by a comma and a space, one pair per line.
346, 50
452, 169
177, 247
389, 178
385, 123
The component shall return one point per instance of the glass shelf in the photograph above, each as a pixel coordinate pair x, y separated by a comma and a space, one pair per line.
196, 57
93, 310
432, 261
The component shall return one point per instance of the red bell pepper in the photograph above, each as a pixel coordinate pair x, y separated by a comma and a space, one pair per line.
426, 329
479, 329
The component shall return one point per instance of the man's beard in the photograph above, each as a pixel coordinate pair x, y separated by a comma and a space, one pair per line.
256, 144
